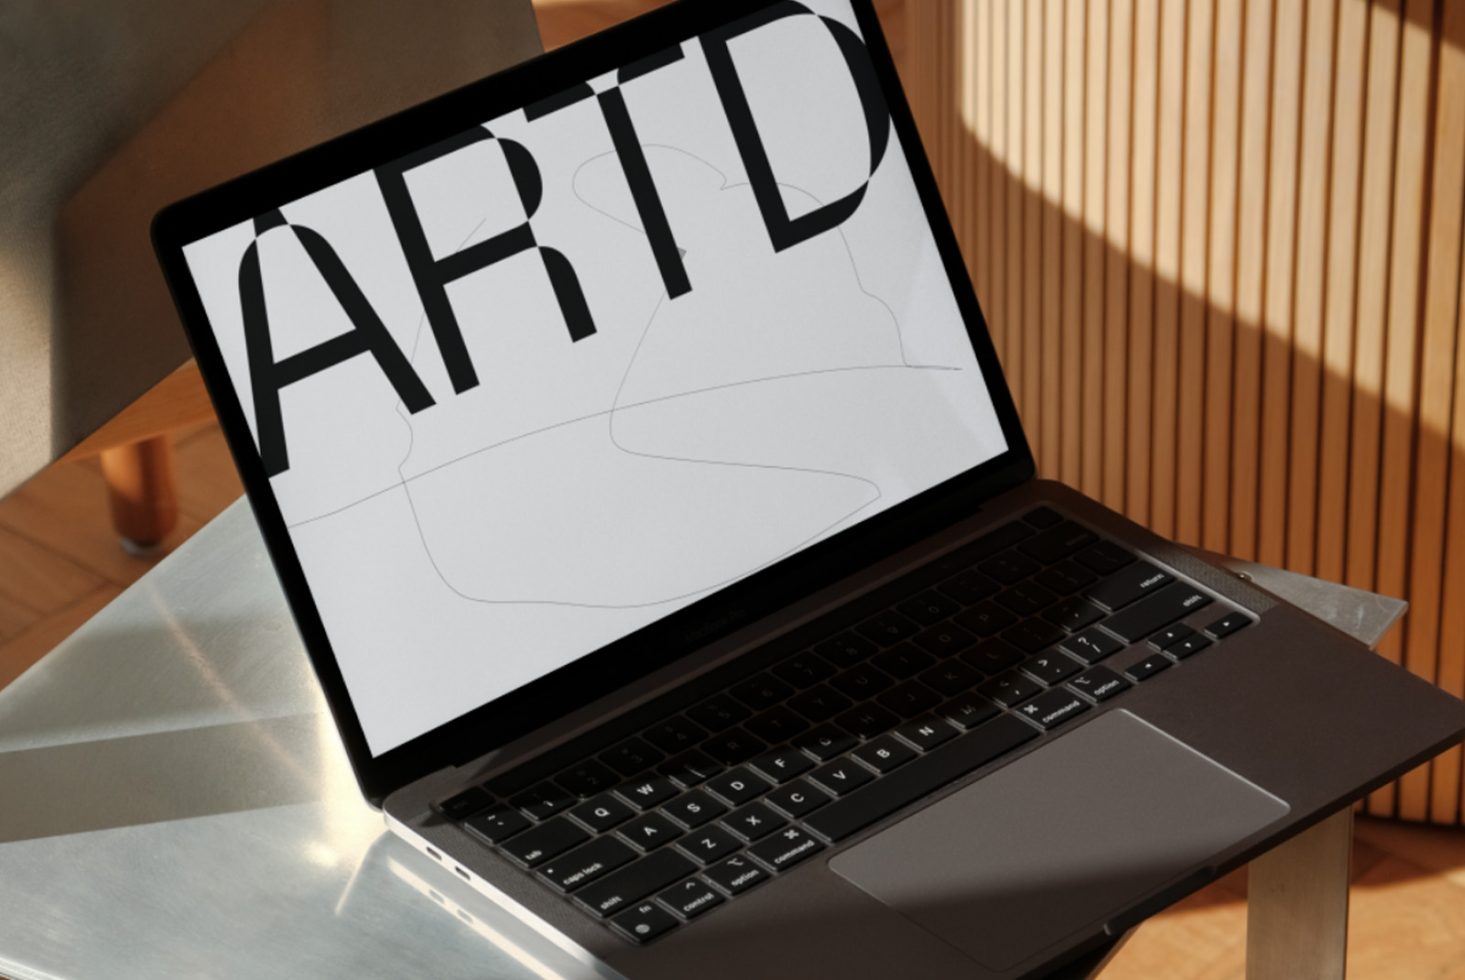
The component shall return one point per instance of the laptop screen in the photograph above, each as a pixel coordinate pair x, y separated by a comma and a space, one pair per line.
531, 389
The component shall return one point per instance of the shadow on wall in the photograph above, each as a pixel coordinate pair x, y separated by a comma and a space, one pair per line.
1218, 246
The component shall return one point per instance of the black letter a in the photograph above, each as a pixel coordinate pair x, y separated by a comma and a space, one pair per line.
367, 336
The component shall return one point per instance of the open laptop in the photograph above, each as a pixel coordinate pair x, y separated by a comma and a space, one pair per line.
634, 456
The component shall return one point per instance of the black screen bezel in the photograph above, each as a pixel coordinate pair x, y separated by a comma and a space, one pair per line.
664, 641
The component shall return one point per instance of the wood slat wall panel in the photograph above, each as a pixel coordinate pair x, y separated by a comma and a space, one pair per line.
1219, 243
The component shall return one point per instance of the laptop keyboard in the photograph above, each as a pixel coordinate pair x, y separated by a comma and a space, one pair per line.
945, 670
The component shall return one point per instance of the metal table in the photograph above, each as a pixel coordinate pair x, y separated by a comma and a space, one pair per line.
174, 801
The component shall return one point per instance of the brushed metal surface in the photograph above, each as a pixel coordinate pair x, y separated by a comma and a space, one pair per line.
174, 801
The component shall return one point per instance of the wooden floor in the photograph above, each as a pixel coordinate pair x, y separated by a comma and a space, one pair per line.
59, 564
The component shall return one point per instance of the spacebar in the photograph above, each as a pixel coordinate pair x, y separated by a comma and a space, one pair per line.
920, 778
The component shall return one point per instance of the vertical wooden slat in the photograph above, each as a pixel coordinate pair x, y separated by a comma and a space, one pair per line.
1169, 185
1401, 365
982, 112
1142, 253
1251, 254
1341, 302
1032, 216
1052, 273
1074, 76
1016, 153
1220, 329
1314, 173
1276, 368
1095, 158
1194, 253
997, 189
1440, 503
1116, 273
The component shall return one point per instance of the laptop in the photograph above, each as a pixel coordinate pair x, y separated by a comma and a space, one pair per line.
632, 451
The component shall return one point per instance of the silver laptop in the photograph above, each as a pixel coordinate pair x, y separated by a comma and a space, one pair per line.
634, 456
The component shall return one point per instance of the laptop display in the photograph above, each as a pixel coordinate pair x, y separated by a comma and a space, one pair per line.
524, 392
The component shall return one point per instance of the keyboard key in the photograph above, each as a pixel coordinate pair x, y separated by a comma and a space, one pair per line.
820, 703
993, 656
645, 922
734, 746
753, 822
1010, 688
1106, 557
968, 587
825, 743
691, 768
694, 809
1032, 635
718, 712
1051, 667
927, 734
1074, 614
1148, 666
950, 678
841, 777
1057, 542
1027, 598
709, 844
944, 640
761, 692
648, 793
736, 875
1188, 647
635, 881
862, 681
691, 898
1065, 578
783, 765
497, 823
544, 801
804, 669
1052, 708
1228, 624
587, 778
985, 618
884, 753
464, 804
777, 724
554, 837
1099, 683
1009, 567
649, 831
632, 756
675, 734
867, 720
1043, 517
798, 798
904, 660
928, 608
967, 711
888, 627
786, 849
739, 786
602, 812
1160, 609
1129, 585
584, 864
909, 699
919, 779
1169, 635
1091, 646
845, 650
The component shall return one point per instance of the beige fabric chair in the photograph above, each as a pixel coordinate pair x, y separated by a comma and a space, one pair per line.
110, 109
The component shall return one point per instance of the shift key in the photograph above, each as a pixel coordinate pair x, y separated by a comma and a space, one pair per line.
658, 870
1156, 612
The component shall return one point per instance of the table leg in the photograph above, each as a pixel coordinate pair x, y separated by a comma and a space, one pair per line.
140, 485
1297, 905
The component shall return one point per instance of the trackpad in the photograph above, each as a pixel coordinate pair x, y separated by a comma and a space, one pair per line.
1059, 841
